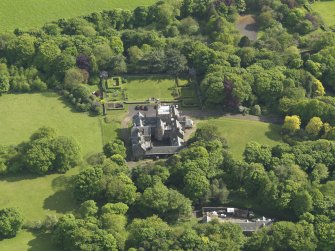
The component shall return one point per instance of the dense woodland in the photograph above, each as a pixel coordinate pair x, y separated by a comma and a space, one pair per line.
288, 71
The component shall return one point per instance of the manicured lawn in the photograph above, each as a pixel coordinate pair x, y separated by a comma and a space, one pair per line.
22, 114
142, 88
327, 10
112, 124
239, 132
27, 14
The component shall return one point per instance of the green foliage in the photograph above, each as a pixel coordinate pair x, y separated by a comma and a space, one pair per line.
78, 234
115, 147
257, 153
73, 78
171, 36
4, 84
120, 188
11, 221
88, 209
302, 203
86, 184
114, 208
149, 175
39, 157
226, 236
115, 224
196, 185
284, 235
291, 124
166, 203
45, 152
314, 127
175, 62
151, 234
46, 54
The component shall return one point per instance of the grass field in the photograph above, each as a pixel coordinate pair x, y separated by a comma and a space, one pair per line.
22, 114
142, 88
327, 10
27, 241
26, 14
112, 124
239, 132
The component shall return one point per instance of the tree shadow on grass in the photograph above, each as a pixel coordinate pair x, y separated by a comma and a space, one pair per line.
124, 135
42, 242
49, 94
68, 104
19, 177
62, 182
62, 201
274, 133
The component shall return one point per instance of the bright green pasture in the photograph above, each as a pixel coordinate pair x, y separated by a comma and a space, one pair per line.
37, 196
28, 241
22, 114
111, 125
239, 132
327, 10
27, 14
142, 88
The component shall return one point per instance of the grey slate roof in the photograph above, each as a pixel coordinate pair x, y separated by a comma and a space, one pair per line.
163, 150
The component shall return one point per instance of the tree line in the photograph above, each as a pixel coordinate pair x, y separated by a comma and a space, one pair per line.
285, 71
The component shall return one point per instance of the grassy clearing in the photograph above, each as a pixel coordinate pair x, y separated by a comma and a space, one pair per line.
142, 88
36, 197
111, 125
39, 196
27, 14
22, 114
28, 241
247, 26
326, 10
239, 132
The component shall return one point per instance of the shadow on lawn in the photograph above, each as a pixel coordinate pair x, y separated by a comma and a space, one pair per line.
19, 177
62, 182
274, 132
42, 242
50, 94
62, 99
58, 183
62, 201
65, 102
